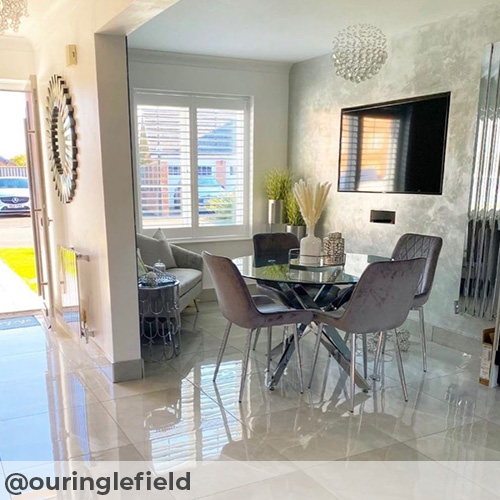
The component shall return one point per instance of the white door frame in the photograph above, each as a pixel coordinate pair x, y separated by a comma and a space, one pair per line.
39, 214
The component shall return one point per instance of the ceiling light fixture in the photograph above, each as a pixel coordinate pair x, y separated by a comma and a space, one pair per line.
359, 51
11, 12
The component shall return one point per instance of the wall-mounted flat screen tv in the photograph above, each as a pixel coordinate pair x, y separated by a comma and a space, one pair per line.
396, 147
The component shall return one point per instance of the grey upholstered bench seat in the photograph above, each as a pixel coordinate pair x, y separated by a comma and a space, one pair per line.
188, 278
185, 265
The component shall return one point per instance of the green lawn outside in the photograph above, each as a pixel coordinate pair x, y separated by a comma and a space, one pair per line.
22, 261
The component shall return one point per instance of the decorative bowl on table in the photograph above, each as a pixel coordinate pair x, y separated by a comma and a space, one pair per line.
156, 279
296, 260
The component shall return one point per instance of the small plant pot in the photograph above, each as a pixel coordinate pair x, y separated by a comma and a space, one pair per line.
299, 231
275, 212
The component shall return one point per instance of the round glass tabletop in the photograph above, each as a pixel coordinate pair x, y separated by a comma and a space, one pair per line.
348, 273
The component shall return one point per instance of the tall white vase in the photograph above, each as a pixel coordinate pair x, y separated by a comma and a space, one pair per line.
310, 248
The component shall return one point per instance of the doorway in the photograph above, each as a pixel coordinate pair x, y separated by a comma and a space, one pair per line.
23, 283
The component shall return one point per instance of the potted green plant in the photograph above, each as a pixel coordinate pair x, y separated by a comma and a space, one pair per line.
295, 223
278, 183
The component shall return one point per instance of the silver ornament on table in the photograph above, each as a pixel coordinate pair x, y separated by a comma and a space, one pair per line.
334, 249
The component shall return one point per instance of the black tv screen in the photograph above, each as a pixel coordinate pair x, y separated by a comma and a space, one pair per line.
396, 147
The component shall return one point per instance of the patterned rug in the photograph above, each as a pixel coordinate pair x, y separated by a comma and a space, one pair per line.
22, 322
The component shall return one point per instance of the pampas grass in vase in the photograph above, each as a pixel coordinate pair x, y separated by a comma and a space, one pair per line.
311, 198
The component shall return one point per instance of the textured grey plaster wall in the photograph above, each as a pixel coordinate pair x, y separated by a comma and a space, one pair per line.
440, 57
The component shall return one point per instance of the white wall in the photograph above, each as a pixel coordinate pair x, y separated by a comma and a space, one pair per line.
266, 82
100, 220
81, 224
439, 57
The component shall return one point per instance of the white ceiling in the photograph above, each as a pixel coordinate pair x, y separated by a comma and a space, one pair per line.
281, 30
38, 10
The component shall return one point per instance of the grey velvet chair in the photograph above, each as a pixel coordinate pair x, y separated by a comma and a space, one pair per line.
380, 302
268, 249
273, 248
238, 307
414, 246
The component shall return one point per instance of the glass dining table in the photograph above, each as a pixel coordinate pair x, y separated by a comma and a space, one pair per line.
314, 288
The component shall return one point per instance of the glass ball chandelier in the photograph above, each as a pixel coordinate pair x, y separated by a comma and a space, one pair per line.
11, 12
359, 51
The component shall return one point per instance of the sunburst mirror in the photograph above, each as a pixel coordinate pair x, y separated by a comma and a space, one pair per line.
61, 139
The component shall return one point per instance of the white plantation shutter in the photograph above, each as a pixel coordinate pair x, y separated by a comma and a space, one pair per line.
193, 157
221, 146
164, 151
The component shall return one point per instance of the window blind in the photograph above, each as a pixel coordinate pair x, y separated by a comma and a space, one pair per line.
164, 166
193, 164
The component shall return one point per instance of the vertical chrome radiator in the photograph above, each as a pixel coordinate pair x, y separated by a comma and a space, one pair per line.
70, 289
480, 272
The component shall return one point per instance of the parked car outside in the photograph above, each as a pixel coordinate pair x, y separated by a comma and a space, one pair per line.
14, 196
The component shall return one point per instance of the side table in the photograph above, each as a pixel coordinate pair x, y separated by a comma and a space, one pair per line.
159, 316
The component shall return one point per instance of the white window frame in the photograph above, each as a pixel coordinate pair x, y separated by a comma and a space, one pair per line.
194, 101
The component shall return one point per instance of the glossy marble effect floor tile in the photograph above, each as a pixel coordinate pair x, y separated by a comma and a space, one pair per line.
422, 415
464, 391
4, 494
308, 434
292, 486
24, 341
104, 390
127, 453
422, 480
59, 435
399, 452
61, 405
173, 412
235, 444
479, 441
43, 393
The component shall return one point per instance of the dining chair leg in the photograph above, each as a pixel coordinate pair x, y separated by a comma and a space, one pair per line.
422, 336
365, 356
222, 349
378, 354
269, 347
399, 359
316, 352
299, 358
285, 338
244, 367
353, 370
257, 334
196, 306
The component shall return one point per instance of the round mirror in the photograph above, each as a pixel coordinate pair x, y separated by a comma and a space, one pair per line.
62, 139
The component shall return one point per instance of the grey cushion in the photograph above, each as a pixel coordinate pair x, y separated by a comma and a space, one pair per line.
153, 250
188, 278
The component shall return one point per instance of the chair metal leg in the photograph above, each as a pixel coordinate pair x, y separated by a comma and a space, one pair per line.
244, 367
299, 358
269, 347
384, 343
376, 363
196, 306
365, 356
399, 359
353, 370
316, 352
422, 337
222, 349
256, 339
